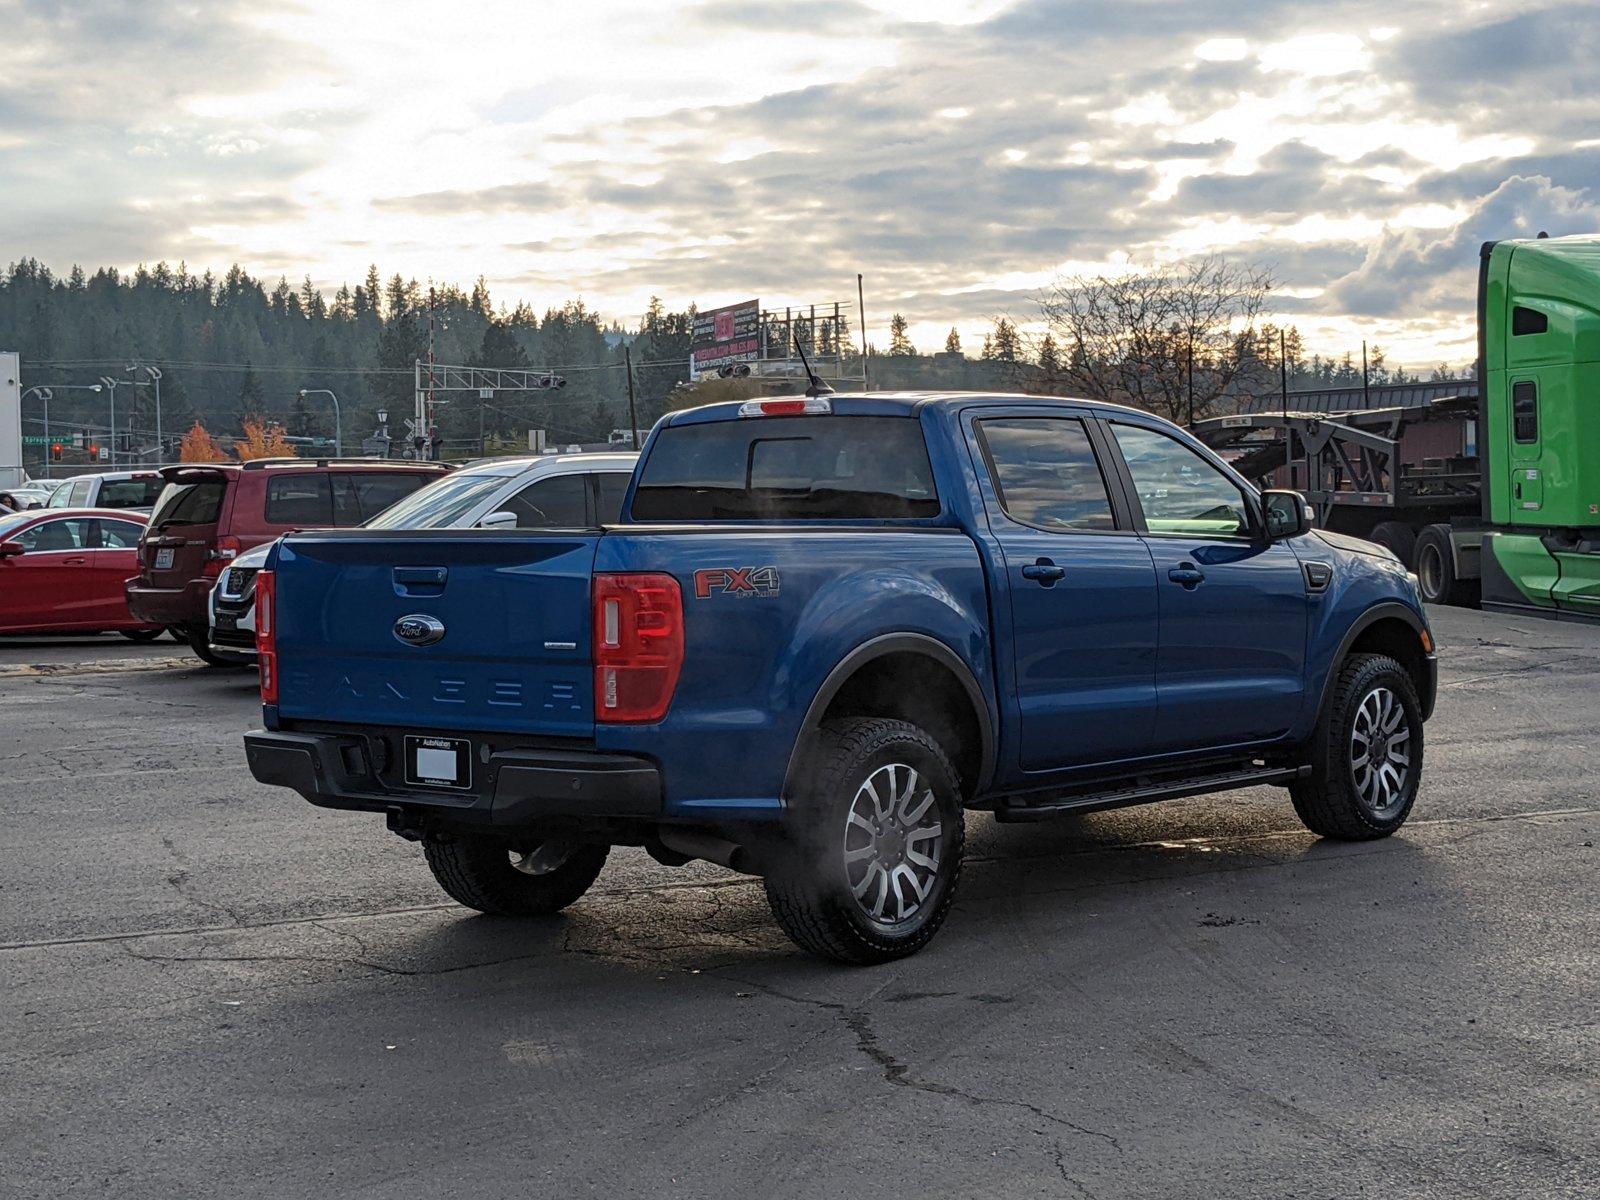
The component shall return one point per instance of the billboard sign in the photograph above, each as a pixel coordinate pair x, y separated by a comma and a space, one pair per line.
731, 334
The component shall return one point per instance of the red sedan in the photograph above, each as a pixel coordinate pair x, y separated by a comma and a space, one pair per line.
61, 571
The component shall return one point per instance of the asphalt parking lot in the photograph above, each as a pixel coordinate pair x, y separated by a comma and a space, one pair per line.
211, 988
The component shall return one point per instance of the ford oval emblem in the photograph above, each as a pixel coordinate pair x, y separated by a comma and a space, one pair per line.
419, 629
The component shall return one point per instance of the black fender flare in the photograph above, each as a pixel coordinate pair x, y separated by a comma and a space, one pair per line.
1428, 688
898, 643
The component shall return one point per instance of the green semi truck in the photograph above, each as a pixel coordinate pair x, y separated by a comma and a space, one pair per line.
1489, 490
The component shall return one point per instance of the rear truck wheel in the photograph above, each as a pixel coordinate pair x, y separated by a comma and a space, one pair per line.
200, 643
504, 879
1366, 753
871, 873
141, 635
1436, 569
1397, 538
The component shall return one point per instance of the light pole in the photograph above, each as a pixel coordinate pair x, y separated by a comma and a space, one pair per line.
338, 424
155, 378
46, 394
110, 385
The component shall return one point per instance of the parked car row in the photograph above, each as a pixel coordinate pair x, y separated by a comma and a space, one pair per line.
190, 566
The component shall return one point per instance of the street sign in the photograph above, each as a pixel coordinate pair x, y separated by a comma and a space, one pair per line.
485, 393
33, 439
105, 453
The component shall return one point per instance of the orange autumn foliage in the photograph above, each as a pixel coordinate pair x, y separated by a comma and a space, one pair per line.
198, 446
262, 440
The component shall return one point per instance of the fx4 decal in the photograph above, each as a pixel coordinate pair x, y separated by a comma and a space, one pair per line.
736, 581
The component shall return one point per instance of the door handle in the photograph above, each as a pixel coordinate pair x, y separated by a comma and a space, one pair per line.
74, 562
1188, 575
1044, 571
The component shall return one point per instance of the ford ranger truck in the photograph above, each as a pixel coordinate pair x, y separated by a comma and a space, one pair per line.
825, 628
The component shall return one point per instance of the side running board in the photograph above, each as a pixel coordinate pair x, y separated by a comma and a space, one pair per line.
1143, 791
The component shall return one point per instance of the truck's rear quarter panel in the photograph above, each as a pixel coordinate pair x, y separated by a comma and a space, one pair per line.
755, 659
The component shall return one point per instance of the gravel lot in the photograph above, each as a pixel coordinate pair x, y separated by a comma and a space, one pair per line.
211, 988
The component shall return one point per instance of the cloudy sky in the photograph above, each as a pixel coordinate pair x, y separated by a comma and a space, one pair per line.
963, 154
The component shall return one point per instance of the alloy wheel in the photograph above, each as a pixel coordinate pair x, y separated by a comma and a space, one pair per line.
1380, 751
893, 839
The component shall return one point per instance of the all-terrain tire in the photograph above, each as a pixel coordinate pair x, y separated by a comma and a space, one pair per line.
808, 882
479, 872
1332, 801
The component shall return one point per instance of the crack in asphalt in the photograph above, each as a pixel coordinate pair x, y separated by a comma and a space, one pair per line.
334, 960
898, 1074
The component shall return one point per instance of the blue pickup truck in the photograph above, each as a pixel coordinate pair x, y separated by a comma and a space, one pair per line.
825, 627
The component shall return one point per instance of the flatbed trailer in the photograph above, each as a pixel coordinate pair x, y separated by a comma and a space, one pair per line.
1489, 490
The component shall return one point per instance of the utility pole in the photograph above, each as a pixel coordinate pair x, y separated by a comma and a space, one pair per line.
1366, 389
861, 305
429, 431
1284, 375
633, 417
154, 374
1191, 385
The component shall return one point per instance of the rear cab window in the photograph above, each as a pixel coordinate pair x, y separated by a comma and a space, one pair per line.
823, 468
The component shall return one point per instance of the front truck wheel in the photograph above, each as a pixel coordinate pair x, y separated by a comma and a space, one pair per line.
870, 873
495, 877
1366, 753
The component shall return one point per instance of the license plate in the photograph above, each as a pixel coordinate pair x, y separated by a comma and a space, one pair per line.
439, 762
164, 559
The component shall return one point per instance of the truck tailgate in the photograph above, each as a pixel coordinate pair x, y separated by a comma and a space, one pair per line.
515, 649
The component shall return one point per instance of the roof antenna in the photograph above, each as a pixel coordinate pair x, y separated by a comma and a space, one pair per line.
1543, 234
816, 386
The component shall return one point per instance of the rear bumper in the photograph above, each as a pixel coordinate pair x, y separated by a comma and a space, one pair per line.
513, 788
169, 606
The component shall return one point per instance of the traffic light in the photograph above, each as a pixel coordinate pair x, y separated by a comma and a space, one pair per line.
55, 452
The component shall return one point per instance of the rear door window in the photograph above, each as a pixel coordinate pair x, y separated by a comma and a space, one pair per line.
301, 500
1046, 474
119, 535
788, 468
560, 502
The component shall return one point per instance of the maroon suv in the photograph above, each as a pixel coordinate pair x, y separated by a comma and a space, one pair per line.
209, 513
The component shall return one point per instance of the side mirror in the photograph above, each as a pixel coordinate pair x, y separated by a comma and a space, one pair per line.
12, 549
1288, 514
499, 520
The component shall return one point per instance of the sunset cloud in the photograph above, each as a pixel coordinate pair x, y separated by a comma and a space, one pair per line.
959, 153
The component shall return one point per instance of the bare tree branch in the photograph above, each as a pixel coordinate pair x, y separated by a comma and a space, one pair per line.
1128, 339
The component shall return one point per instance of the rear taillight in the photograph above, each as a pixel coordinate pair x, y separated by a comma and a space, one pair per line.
267, 635
226, 550
638, 646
